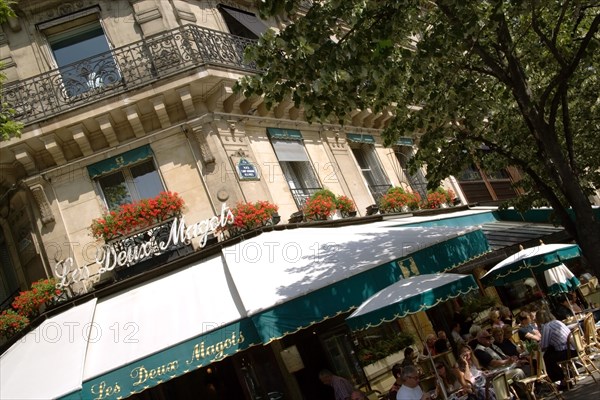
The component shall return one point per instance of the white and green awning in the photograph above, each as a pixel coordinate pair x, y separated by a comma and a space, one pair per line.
409, 296
292, 279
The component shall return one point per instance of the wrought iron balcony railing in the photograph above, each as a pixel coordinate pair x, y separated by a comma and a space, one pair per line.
122, 69
303, 194
377, 191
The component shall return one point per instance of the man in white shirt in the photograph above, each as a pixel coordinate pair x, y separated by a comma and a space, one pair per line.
410, 389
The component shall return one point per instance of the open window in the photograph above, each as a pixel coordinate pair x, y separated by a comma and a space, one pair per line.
295, 164
363, 148
81, 51
129, 177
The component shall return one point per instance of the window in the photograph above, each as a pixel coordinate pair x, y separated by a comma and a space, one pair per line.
81, 51
295, 164
417, 181
242, 23
364, 153
130, 177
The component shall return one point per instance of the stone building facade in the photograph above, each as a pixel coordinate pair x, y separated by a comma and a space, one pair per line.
107, 81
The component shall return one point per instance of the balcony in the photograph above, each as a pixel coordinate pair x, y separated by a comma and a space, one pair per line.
303, 194
122, 69
378, 191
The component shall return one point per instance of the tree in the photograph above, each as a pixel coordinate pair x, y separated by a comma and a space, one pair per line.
497, 83
8, 127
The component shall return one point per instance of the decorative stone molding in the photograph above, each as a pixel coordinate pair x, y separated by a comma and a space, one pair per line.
160, 108
81, 139
55, 149
183, 11
7, 62
134, 119
41, 200
187, 100
24, 157
108, 130
205, 151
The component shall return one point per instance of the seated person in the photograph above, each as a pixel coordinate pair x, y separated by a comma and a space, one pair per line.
358, 395
564, 309
472, 342
410, 389
527, 329
447, 376
495, 319
429, 347
397, 373
441, 345
504, 344
410, 357
491, 359
506, 315
471, 377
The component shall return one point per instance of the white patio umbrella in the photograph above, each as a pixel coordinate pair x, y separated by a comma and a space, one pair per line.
560, 279
528, 261
409, 296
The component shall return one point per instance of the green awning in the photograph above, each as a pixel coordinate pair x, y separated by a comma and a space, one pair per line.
289, 134
291, 280
172, 362
405, 141
120, 161
360, 138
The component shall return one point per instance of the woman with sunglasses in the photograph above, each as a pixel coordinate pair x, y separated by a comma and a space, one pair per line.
471, 377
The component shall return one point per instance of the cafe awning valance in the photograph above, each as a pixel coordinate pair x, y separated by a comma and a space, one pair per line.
120, 161
284, 134
292, 279
360, 138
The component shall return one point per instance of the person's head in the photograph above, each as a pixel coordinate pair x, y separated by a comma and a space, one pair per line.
505, 312
409, 353
564, 300
464, 356
543, 316
357, 395
474, 330
498, 334
397, 370
456, 326
524, 318
484, 338
494, 315
430, 340
326, 376
442, 335
441, 368
410, 376
507, 329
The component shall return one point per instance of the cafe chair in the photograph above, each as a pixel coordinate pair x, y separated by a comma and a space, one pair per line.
586, 365
590, 335
500, 387
539, 378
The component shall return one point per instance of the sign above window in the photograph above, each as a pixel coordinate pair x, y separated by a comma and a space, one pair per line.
287, 134
360, 138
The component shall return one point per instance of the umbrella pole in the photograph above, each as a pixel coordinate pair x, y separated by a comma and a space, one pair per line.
544, 296
417, 325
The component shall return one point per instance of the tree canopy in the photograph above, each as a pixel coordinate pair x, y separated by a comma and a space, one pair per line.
497, 83
8, 127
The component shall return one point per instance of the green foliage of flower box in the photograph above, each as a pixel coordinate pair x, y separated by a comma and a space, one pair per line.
384, 347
